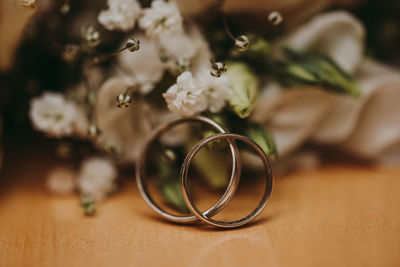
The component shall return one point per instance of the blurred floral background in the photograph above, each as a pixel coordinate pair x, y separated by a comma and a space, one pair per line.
86, 81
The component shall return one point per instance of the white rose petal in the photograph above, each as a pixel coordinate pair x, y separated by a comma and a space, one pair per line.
144, 66
178, 45
291, 115
377, 128
337, 34
125, 128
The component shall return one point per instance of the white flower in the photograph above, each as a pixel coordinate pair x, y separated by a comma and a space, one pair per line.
120, 15
161, 18
216, 90
127, 129
144, 66
186, 96
337, 34
97, 177
179, 45
61, 181
185, 46
53, 114
203, 55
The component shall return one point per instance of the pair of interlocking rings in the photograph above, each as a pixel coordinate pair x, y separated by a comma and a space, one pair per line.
207, 215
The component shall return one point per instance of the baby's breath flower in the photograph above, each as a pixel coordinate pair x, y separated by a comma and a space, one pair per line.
91, 36
94, 131
182, 64
65, 8
63, 150
161, 18
164, 56
53, 114
61, 181
186, 96
217, 69
111, 149
123, 100
242, 43
275, 18
132, 44
121, 15
216, 90
97, 177
70, 53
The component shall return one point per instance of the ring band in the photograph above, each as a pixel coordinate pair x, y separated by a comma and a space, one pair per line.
184, 180
220, 204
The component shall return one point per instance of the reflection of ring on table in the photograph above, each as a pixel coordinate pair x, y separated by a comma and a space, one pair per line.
184, 186
141, 164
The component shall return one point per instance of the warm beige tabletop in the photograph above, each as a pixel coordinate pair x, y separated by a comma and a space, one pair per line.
336, 216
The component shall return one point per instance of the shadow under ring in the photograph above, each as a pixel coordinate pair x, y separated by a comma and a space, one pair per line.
220, 204
204, 216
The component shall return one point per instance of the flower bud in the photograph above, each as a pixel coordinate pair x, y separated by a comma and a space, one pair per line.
275, 18
65, 8
163, 54
111, 149
242, 43
217, 69
132, 44
183, 65
91, 36
70, 53
168, 156
259, 134
123, 100
63, 150
88, 204
94, 131
244, 84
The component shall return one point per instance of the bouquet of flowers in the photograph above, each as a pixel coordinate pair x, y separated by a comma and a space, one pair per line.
125, 66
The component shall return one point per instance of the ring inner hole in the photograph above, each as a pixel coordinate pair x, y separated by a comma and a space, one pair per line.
249, 192
164, 159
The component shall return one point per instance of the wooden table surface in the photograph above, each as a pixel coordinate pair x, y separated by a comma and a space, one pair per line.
339, 215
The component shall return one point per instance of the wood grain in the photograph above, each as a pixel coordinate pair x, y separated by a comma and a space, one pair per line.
335, 216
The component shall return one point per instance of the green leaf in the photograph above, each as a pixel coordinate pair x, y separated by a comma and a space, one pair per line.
244, 84
297, 70
171, 191
168, 175
211, 166
259, 46
310, 68
207, 131
88, 204
263, 138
